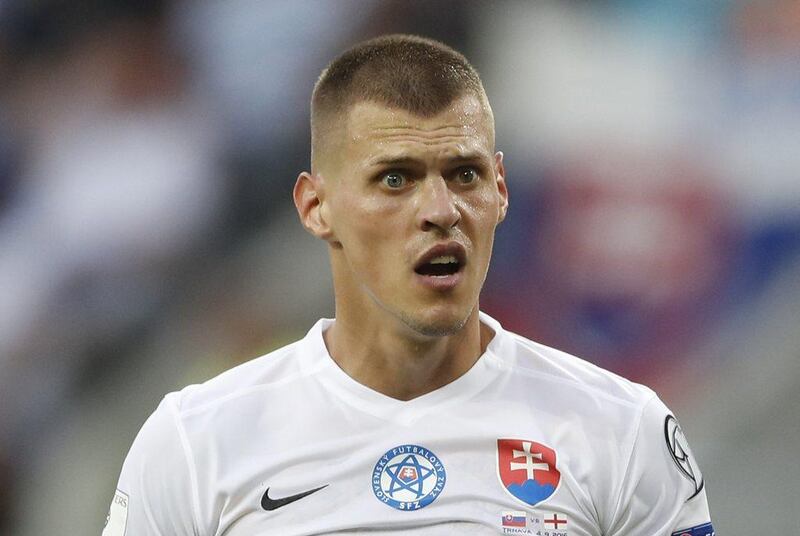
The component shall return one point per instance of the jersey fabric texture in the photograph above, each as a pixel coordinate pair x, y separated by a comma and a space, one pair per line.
530, 440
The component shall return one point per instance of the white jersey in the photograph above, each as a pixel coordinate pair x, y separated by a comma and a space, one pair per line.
529, 441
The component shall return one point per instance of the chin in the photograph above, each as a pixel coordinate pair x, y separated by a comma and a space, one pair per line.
436, 325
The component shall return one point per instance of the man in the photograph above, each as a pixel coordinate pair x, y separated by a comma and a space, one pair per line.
411, 412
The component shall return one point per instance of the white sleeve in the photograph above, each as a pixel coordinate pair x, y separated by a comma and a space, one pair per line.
663, 492
156, 493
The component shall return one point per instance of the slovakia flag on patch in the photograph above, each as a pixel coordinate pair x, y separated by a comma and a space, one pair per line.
701, 530
527, 469
515, 519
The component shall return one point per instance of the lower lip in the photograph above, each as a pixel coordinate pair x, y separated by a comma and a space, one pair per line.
440, 282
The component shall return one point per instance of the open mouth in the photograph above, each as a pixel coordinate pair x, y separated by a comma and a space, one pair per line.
440, 266
442, 261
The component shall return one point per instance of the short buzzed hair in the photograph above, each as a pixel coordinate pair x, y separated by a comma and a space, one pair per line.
416, 74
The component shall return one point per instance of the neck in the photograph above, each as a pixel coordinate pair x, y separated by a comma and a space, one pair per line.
384, 354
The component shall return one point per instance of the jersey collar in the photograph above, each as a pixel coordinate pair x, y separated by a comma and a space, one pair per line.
490, 365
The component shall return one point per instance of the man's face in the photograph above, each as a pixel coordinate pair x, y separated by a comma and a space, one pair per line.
412, 204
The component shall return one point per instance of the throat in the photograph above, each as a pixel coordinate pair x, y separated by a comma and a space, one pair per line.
402, 367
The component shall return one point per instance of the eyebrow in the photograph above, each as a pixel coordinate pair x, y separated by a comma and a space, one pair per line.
396, 161
399, 161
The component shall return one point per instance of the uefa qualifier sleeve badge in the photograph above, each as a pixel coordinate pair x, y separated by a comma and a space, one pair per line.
527, 470
679, 450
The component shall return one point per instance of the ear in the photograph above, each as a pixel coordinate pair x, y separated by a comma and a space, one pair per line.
309, 198
502, 189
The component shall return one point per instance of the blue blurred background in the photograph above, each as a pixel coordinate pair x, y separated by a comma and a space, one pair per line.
148, 239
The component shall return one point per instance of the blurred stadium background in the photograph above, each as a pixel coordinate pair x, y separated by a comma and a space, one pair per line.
147, 238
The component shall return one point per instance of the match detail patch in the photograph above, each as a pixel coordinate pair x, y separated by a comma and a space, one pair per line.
117, 518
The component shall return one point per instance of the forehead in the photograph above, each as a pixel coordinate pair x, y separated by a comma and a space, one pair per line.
373, 130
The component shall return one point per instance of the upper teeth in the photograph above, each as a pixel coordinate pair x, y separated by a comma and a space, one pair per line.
444, 259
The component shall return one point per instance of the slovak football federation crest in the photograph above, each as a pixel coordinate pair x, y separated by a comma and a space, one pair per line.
408, 477
527, 469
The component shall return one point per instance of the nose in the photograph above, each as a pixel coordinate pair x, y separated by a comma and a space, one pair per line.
438, 209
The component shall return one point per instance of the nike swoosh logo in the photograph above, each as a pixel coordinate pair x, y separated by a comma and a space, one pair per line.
270, 504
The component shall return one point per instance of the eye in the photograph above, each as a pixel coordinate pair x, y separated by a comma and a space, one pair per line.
394, 180
467, 175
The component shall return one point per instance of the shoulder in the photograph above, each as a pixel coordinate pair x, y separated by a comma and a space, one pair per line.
276, 369
569, 375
